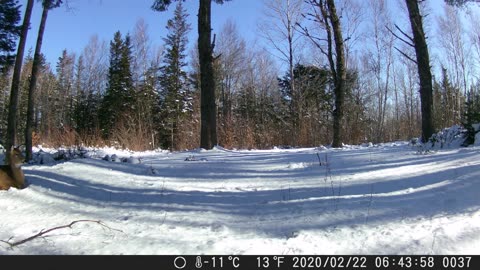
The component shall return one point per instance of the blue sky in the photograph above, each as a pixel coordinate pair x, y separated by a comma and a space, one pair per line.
72, 29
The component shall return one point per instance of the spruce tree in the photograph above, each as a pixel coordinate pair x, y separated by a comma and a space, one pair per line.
86, 104
174, 80
9, 31
119, 100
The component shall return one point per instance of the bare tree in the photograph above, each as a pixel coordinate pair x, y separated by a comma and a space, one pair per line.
419, 42
452, 40
231, 67
95, 56
353, 16
279, 28
381, 60
91, 83
332, 45
268, 119
407, 81
474, 35
141, 49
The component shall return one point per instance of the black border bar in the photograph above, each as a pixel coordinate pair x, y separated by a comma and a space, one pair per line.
240, 262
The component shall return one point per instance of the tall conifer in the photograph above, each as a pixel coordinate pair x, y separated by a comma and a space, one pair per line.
119, 100
175, 93
9, 31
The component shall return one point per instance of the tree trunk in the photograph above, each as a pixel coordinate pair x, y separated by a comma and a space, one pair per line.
208, 133
33, 83
424, 72
12, 111
340, 76
297, 116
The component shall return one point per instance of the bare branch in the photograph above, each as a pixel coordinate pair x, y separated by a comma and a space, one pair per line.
406, 55
405, 41
315, 40
213, 42
405, 34
43, 232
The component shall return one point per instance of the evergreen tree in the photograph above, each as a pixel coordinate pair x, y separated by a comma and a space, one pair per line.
174, 80
472, 114
65, 87
447, 103
208, 133
313, 99
91, 80
9, 31
118, 103
80, 98
148, 104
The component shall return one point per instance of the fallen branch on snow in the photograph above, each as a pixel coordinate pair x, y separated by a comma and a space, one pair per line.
43, 232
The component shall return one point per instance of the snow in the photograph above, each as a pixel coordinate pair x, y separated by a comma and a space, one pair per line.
368, 199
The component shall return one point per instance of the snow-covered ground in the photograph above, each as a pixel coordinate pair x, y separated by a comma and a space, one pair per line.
382, 199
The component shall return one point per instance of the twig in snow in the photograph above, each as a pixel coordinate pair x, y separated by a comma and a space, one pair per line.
337, 200
433, 241
43, 232
164, 218
319, 159
328, 172
369, 203
162, 190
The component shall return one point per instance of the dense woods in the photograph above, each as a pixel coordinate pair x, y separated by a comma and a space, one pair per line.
331, 73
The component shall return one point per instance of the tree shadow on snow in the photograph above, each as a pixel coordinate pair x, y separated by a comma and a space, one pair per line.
276, 212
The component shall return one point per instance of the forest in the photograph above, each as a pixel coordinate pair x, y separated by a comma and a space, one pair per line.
300, 90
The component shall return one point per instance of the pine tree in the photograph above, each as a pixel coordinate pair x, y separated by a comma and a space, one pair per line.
174, 80
118, 103
9, 31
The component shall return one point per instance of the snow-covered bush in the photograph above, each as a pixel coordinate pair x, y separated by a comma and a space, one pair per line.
452, 137
49, 156
115, 158
42, 157
448, 137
